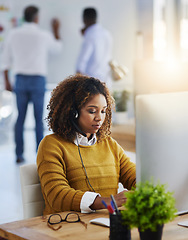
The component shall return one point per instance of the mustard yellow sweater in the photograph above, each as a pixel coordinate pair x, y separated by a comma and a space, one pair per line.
63, 180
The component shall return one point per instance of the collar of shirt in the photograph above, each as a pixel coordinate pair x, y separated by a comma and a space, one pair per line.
90, 28
30, 25
81, 140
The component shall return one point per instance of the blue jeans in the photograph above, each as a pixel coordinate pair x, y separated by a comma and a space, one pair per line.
29, 89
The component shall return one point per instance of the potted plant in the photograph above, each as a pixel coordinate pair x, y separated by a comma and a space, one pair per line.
149, 207
121, 97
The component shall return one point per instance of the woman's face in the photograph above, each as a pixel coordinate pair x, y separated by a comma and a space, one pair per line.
92, 114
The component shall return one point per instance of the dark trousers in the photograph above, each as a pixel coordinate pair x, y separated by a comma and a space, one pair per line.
29, 89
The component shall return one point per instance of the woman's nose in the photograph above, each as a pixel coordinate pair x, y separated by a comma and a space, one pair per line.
98, 116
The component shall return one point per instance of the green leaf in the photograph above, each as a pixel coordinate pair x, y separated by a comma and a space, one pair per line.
148, 205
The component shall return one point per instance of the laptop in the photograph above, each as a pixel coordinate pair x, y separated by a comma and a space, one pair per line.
162, 142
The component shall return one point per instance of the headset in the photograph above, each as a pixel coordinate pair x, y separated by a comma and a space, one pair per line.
73, 117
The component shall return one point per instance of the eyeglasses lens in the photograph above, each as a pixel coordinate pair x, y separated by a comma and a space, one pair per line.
72, 217
56, 218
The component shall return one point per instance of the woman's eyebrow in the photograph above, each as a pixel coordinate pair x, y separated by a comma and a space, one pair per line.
96, 106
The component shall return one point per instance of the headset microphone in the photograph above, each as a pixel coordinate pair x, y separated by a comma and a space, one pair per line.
77, 128
73, 116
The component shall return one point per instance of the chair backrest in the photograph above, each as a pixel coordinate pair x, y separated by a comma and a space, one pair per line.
33, 201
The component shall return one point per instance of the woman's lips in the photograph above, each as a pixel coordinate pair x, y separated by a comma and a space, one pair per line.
96, 126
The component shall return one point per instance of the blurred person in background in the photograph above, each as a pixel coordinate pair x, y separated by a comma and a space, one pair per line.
26, 52
96, 50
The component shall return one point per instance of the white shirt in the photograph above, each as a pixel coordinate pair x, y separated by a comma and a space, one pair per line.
81, 140
96, 53
89, 197
26, 50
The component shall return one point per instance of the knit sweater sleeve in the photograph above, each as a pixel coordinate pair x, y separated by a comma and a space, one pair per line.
127, 169
58, 194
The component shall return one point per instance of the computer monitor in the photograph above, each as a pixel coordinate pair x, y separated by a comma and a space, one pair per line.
162, 142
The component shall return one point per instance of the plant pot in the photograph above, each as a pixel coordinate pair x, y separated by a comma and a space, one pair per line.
118, 231
149, 235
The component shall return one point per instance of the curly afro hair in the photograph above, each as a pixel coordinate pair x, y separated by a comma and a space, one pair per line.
74, 92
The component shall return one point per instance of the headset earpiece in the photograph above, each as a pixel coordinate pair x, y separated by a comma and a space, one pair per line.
73, 117
74, 113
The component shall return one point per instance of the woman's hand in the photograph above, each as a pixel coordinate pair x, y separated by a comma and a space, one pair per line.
119, 198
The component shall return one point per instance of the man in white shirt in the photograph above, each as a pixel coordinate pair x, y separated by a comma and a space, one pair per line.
96, 50
26, 53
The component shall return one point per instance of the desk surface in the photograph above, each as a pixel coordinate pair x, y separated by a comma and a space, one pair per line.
36, 228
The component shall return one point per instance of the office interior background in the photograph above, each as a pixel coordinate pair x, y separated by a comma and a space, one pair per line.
150, 39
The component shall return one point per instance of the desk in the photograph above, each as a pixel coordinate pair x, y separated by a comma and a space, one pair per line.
36, 228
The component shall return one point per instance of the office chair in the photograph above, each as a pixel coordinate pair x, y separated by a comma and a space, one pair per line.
32, 199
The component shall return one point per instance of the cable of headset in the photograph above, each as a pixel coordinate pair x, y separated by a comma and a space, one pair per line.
83, 165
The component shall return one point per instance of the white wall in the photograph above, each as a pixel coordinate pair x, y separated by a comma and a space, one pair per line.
160, 77
117, 16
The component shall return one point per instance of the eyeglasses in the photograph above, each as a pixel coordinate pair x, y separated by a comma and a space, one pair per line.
70, 218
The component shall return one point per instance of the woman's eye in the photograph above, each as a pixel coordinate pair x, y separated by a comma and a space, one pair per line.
93, 111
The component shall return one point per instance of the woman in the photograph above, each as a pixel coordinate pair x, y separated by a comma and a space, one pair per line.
80, 165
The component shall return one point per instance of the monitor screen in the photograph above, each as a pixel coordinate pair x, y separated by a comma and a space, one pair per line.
162, 142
